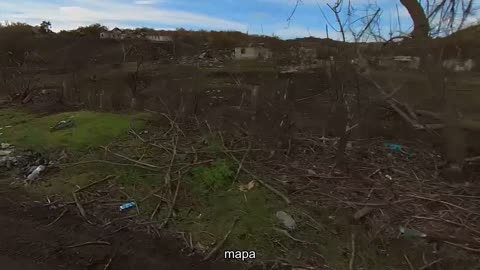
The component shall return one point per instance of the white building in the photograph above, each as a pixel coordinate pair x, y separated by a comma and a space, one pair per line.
252, 53
159, 38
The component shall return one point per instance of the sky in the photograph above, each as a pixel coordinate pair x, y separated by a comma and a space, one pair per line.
265, 17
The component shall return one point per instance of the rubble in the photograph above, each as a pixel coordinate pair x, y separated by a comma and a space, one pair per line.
28, 164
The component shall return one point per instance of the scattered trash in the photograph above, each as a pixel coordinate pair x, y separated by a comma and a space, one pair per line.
362, 212
311, 172
397, 148
5, 145
247, 187
394, 147
410, 233
64, 124
287, 220
126, 206
35, 174
5, 152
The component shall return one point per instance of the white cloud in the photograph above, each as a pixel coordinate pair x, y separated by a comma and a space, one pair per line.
145, 2
110, 12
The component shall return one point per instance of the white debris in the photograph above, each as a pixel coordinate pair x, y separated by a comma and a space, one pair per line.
286, 220
36, 173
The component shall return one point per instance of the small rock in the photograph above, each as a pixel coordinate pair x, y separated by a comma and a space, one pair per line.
286, 220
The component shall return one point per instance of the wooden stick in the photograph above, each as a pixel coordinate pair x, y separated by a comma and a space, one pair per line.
220, 244
156, 210
408, 262
174, 153
240, 166
110, 163
95, 183
446, 203
172, 204
58, 218
101, 243
80, 207
352, 257
463, 247
133, 160
427, 266
108, 263
274, 190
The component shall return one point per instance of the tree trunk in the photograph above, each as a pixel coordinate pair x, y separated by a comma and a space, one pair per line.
421, 26
431, 63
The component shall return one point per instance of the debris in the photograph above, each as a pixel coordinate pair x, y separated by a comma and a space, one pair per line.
286, 220
362, 212
247, 187
5, 152
394, 147
126, 206
410, 233
287, 234
64, 124
220, 243
36, 173
5, 145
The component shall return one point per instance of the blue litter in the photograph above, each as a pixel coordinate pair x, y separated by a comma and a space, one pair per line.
126, 206
394, 147
397, 148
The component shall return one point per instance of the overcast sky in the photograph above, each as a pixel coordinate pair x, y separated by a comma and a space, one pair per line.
253, 16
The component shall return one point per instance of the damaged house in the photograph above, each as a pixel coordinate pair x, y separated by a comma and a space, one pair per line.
115, 33
252, 52
159, 38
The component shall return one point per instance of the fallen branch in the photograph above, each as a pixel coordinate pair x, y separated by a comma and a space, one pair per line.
95, 183
220, 244
109, 163
408, 262
449, 222
472, 159
174, 153
287, 234
274, 190
58, 218
108, 263
133, 160
352, 257
172, 204
240, 166
80, 207
446, 203
100, 243
156, 210
427, 266
463, 247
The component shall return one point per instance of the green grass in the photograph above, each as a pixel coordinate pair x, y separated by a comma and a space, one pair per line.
91, 129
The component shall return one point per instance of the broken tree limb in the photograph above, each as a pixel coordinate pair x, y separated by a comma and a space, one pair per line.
101, 243
263, 183
58, 218
80, 207
96, 183
172, 204
133, 160
220, 244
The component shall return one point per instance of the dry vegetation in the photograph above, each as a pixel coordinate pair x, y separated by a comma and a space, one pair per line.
352, 152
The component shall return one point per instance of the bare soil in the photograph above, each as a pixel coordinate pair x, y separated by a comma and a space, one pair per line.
27, 242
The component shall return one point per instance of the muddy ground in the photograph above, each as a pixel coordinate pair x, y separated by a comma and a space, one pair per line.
28, 242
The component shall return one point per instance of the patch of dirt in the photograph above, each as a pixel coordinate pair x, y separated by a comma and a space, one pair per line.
27, 242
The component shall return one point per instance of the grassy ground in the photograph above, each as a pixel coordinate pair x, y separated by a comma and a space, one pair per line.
91, 129
209, 197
